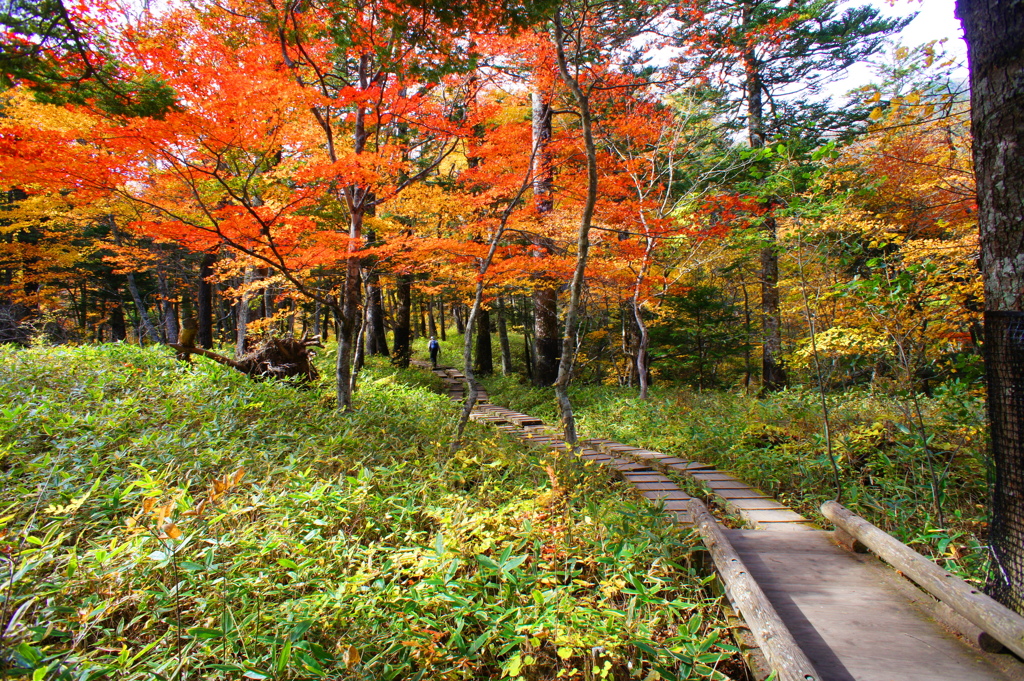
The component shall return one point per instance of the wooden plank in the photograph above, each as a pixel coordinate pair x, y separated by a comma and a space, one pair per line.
776, 642
668, 495
630, 466
741, 493
998, 621
714, 475
724, 484
779, 515
647, 477
645, 486
755, 505
684, 466
848, 618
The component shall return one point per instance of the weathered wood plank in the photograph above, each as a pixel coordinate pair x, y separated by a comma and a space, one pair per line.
1000, 622
776, 642
849, 619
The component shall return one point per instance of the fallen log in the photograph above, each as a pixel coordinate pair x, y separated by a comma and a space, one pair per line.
270, 358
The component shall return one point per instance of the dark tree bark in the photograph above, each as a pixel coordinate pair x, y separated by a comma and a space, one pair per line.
421, 319
376, 333
484, 351
170, 321
545, 337
772, 371
773, 376
545, 298
118, 331
994, 30
242, 313
204, 308
506, 350
460, 322
440, 314
431, 321
403, 340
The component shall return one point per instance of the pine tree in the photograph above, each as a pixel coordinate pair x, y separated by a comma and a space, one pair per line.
775, 57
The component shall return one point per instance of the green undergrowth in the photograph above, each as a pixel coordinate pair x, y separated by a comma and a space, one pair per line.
887, 461
164, 521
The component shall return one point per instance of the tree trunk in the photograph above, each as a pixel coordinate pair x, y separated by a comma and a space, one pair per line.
147, 326
170, 321
545, 298
643, 343
506, 350
118, 331
421, 319
360, 345
204, 308
994, 30
484, 352
460, 323
376, 333
403, 340
582, 243
772, 371
545, 337
440, 314
242, 313
431, 322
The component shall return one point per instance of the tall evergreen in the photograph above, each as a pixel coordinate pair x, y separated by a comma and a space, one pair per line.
773, 57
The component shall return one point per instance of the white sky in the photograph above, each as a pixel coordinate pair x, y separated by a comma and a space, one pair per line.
935, 21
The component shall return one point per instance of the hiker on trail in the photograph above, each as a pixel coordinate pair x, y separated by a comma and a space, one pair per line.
434, 348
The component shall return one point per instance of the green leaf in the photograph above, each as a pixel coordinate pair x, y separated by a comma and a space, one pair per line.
284, 657
204, 633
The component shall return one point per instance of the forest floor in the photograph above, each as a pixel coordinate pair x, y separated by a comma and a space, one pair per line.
160, 520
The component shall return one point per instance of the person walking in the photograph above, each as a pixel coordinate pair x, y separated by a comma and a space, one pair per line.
434, 348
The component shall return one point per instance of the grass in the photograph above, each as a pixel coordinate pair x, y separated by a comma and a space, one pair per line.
164, 521
776, 443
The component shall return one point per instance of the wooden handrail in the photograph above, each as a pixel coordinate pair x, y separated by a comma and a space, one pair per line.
776, 642
995, 619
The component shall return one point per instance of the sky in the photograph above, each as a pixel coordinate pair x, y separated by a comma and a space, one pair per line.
935, 21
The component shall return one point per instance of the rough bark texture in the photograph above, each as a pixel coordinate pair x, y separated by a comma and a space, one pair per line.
484, 350
376, 333
565, 362
273, 358
506, 350
545, 299
204, 308
431, 321
242, 313
403, 348
773, 376
545, 334
994, 30
995, 37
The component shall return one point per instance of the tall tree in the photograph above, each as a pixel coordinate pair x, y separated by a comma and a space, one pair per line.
764, 50
994, 30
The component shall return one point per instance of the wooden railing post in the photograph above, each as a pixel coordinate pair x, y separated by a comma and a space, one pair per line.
989, 615
776, 642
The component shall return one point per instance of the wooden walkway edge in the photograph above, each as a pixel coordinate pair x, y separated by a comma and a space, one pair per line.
854, 618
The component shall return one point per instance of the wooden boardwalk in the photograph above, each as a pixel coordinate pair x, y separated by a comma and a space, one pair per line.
854, 618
